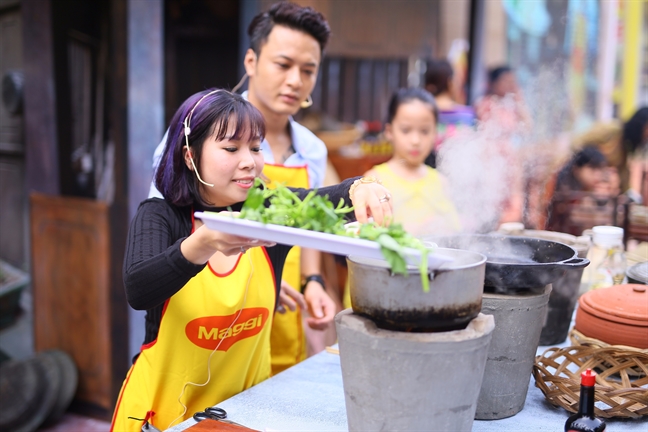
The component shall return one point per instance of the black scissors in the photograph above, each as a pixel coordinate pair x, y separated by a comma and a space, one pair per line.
213, 413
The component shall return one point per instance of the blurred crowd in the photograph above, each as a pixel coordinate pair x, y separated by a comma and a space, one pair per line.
501, 159
590, 182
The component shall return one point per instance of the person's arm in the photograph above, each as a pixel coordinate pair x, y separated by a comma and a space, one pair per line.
320, 305
162, 253
334, 192
638, 168
154, 267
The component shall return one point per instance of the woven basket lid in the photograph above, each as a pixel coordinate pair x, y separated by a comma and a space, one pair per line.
28, 391
627, 304
69, 380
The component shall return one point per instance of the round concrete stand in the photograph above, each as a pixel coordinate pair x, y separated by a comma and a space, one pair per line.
518, 322
411, 381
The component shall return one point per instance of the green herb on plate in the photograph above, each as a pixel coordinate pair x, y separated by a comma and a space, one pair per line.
318, 213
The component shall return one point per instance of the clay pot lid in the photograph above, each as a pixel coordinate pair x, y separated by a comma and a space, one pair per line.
626, 304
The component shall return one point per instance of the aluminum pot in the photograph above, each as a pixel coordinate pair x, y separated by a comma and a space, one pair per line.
397, 302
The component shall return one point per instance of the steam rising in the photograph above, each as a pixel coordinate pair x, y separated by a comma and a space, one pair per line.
488, 167
497, 248
478, 178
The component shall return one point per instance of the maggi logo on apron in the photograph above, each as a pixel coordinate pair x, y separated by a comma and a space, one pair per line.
209, 332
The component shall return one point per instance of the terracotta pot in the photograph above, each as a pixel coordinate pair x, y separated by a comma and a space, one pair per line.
617, 315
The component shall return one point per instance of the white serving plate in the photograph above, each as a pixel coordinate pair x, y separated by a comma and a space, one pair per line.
336, 244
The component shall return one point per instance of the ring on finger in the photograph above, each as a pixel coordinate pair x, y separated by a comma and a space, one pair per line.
384, 198
242, 250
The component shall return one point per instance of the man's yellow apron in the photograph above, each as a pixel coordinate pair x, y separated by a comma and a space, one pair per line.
288, 342
212, 315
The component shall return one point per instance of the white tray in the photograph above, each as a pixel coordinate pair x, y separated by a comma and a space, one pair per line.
336, 244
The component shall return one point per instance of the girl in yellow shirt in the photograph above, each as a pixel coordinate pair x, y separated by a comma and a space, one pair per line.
419, 201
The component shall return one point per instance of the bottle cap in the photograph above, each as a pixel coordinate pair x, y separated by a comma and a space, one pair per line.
607, 236
588, 378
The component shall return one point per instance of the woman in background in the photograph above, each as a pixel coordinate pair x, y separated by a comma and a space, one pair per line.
586, 175
452, 115
503, 115
635, 142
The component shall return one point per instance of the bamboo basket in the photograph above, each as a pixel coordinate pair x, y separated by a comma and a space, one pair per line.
621, 381
578, 338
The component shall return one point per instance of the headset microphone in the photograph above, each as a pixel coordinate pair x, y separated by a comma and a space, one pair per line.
187, 131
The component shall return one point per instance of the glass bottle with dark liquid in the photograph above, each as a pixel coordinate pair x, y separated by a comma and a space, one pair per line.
584, 420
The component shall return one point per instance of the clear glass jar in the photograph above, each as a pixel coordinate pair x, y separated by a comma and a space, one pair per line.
607, 258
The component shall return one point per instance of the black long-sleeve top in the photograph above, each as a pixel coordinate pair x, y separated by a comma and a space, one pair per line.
155, 269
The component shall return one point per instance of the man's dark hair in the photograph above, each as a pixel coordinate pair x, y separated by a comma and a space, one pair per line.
304, 19
437, 76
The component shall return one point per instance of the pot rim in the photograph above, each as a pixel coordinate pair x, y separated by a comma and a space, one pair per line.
414, 270
574, 255
497, 236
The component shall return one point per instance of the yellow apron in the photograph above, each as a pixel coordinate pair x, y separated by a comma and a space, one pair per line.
194, 322
288, 342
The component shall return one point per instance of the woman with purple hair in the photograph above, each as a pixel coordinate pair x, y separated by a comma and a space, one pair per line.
209, 296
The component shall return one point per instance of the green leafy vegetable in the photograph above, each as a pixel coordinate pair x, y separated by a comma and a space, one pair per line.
314, 212
317, 213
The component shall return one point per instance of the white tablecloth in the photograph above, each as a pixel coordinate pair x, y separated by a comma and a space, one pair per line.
310, 397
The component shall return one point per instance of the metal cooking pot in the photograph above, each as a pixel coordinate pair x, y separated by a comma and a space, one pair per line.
638, 273
517, 263
397, 302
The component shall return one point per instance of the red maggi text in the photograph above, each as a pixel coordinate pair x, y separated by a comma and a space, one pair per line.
209, 332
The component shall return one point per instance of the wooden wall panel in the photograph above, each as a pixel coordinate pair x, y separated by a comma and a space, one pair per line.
382, 28
379, 28
71, 287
